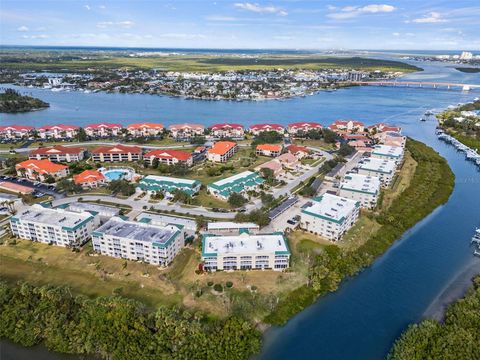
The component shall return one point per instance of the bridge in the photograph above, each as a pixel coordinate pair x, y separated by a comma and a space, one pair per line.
419, 84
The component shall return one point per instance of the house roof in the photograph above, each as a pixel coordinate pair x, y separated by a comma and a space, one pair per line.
58, 127
305, 124
145, 125
57, 150
266, 127
269, 147
117, 149
295, 148
103, 125
287, 157
221, 147
186, 126
16, 128
41, 166
169, 154
226, 126
89, 176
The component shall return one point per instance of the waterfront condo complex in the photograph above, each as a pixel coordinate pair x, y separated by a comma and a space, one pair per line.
382, 168
145, 129
58, 153
259, 128
54, 226
115, 153
393, 153
239, 183
169, 157
156, 245
221, 151
41, 169
186, 131
330, 216
245, 251
168, 185
363, 188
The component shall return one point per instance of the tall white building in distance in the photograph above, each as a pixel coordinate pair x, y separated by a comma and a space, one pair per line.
363, 188
54, 226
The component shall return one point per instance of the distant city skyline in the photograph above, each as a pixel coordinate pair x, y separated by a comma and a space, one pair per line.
287, 24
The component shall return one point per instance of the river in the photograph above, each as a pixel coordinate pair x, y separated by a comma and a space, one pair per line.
362, 319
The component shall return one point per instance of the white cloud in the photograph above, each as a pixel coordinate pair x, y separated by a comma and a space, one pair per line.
349, 12
257, 8
220, 18
87, 7
396, 34
40, 36
431, 18
103, 7
127, 24
22, 28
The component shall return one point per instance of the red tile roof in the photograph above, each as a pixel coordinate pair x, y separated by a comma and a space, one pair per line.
305, 124
269, 147
226, 126
16, 128
117, 149
145, 125
295, 148
41, 166
88, 176
103, 125
266, 127
222, 147
59, 127
169, 154
57, 149
186, 126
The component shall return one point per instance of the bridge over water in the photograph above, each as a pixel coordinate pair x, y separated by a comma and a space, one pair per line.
420, 84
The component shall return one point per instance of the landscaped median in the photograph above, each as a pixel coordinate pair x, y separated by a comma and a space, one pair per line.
430, 187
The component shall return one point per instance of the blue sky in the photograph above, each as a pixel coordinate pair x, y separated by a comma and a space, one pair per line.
292, 24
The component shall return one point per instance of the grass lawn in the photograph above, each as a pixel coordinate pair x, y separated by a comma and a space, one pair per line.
359, 233
314, 143
210, 201
109, 203
470, 141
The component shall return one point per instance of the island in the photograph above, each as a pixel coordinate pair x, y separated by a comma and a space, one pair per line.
469, 70
11, 101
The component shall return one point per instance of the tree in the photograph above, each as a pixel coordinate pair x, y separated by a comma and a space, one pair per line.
69, 186
267, 137
155, 163
268, 175
121, 186
81, 135
267, 199
346, 150
182, 196
329, 136
236, 200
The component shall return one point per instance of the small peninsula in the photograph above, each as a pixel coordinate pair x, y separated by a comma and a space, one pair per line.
11, 101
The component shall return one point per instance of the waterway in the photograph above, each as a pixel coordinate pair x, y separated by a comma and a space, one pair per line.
362, 319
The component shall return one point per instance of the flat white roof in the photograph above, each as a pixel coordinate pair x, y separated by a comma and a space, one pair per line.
80, 206
244, 244
233, 178
221, 225
54, 217
331, 207
169, 179
187, 223
378, 165
361, 183
387, 150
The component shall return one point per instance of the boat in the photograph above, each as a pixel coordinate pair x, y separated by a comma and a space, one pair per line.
423, 118
476, 253
429, 113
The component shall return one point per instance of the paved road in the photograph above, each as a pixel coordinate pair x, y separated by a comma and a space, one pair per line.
38, 188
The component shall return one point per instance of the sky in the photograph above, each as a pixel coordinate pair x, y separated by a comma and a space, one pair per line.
287, 24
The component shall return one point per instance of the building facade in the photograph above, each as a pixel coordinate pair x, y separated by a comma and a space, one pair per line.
186, 131
383, 169
299, 128
386, 152
116, 153
15, 132
58, 153
41, 169
103, 130
168, 185
231, 228
330, 216
227, 130
272, 150
259, 128
145, 129
239, 183
362, 188
221, 151
169, 157
245, 252
90, 179
60, 131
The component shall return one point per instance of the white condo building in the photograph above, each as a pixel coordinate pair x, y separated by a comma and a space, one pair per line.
231, 228
330, 216
139, 241
54, 226
363, 188
245, 252
386, 152
383, 169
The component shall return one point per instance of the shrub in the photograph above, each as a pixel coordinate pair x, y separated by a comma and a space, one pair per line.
218, 287
229, 284
210, 283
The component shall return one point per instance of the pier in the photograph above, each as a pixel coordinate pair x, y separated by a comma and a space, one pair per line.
470, 154
420, 84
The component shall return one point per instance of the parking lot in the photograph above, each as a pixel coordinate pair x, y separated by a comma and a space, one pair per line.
40, 189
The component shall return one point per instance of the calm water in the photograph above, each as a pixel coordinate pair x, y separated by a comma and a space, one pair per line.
362, 319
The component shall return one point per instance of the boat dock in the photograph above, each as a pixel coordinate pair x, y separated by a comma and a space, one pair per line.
470, 154
476, 242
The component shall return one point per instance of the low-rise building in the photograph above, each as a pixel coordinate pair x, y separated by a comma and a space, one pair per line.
186, 131
169, 157
239, 183
393, 153
115, 153
59, 131
259, 128
103, 211
221, 151
381, 127
189, 224
245, 252
391, 138
168, 185
41, 169
330, 216
363, 188
90, 179
138, 241
145, 129
53, 226
348, 126
300, 128
381, 168
15, 132
272, 150
281, 163
300, 152
58, 153
227, 130
231, 228
103, 130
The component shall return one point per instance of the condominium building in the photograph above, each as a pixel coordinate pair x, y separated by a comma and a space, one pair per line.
60, 131
189, 224
168, 185
383, 169
239, 183
381, 127
116, 153
259, 128
169, 157
103, 211
393, 153
272, 150
54, 226
138, 241
302, 127
103, 130
363, 188
231, 228
14, 132
348, 126
89, 179
245, 251
58, 153
41, 169
145, 129
227, 130
186, 131
221, 151
330, 216
391, 138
